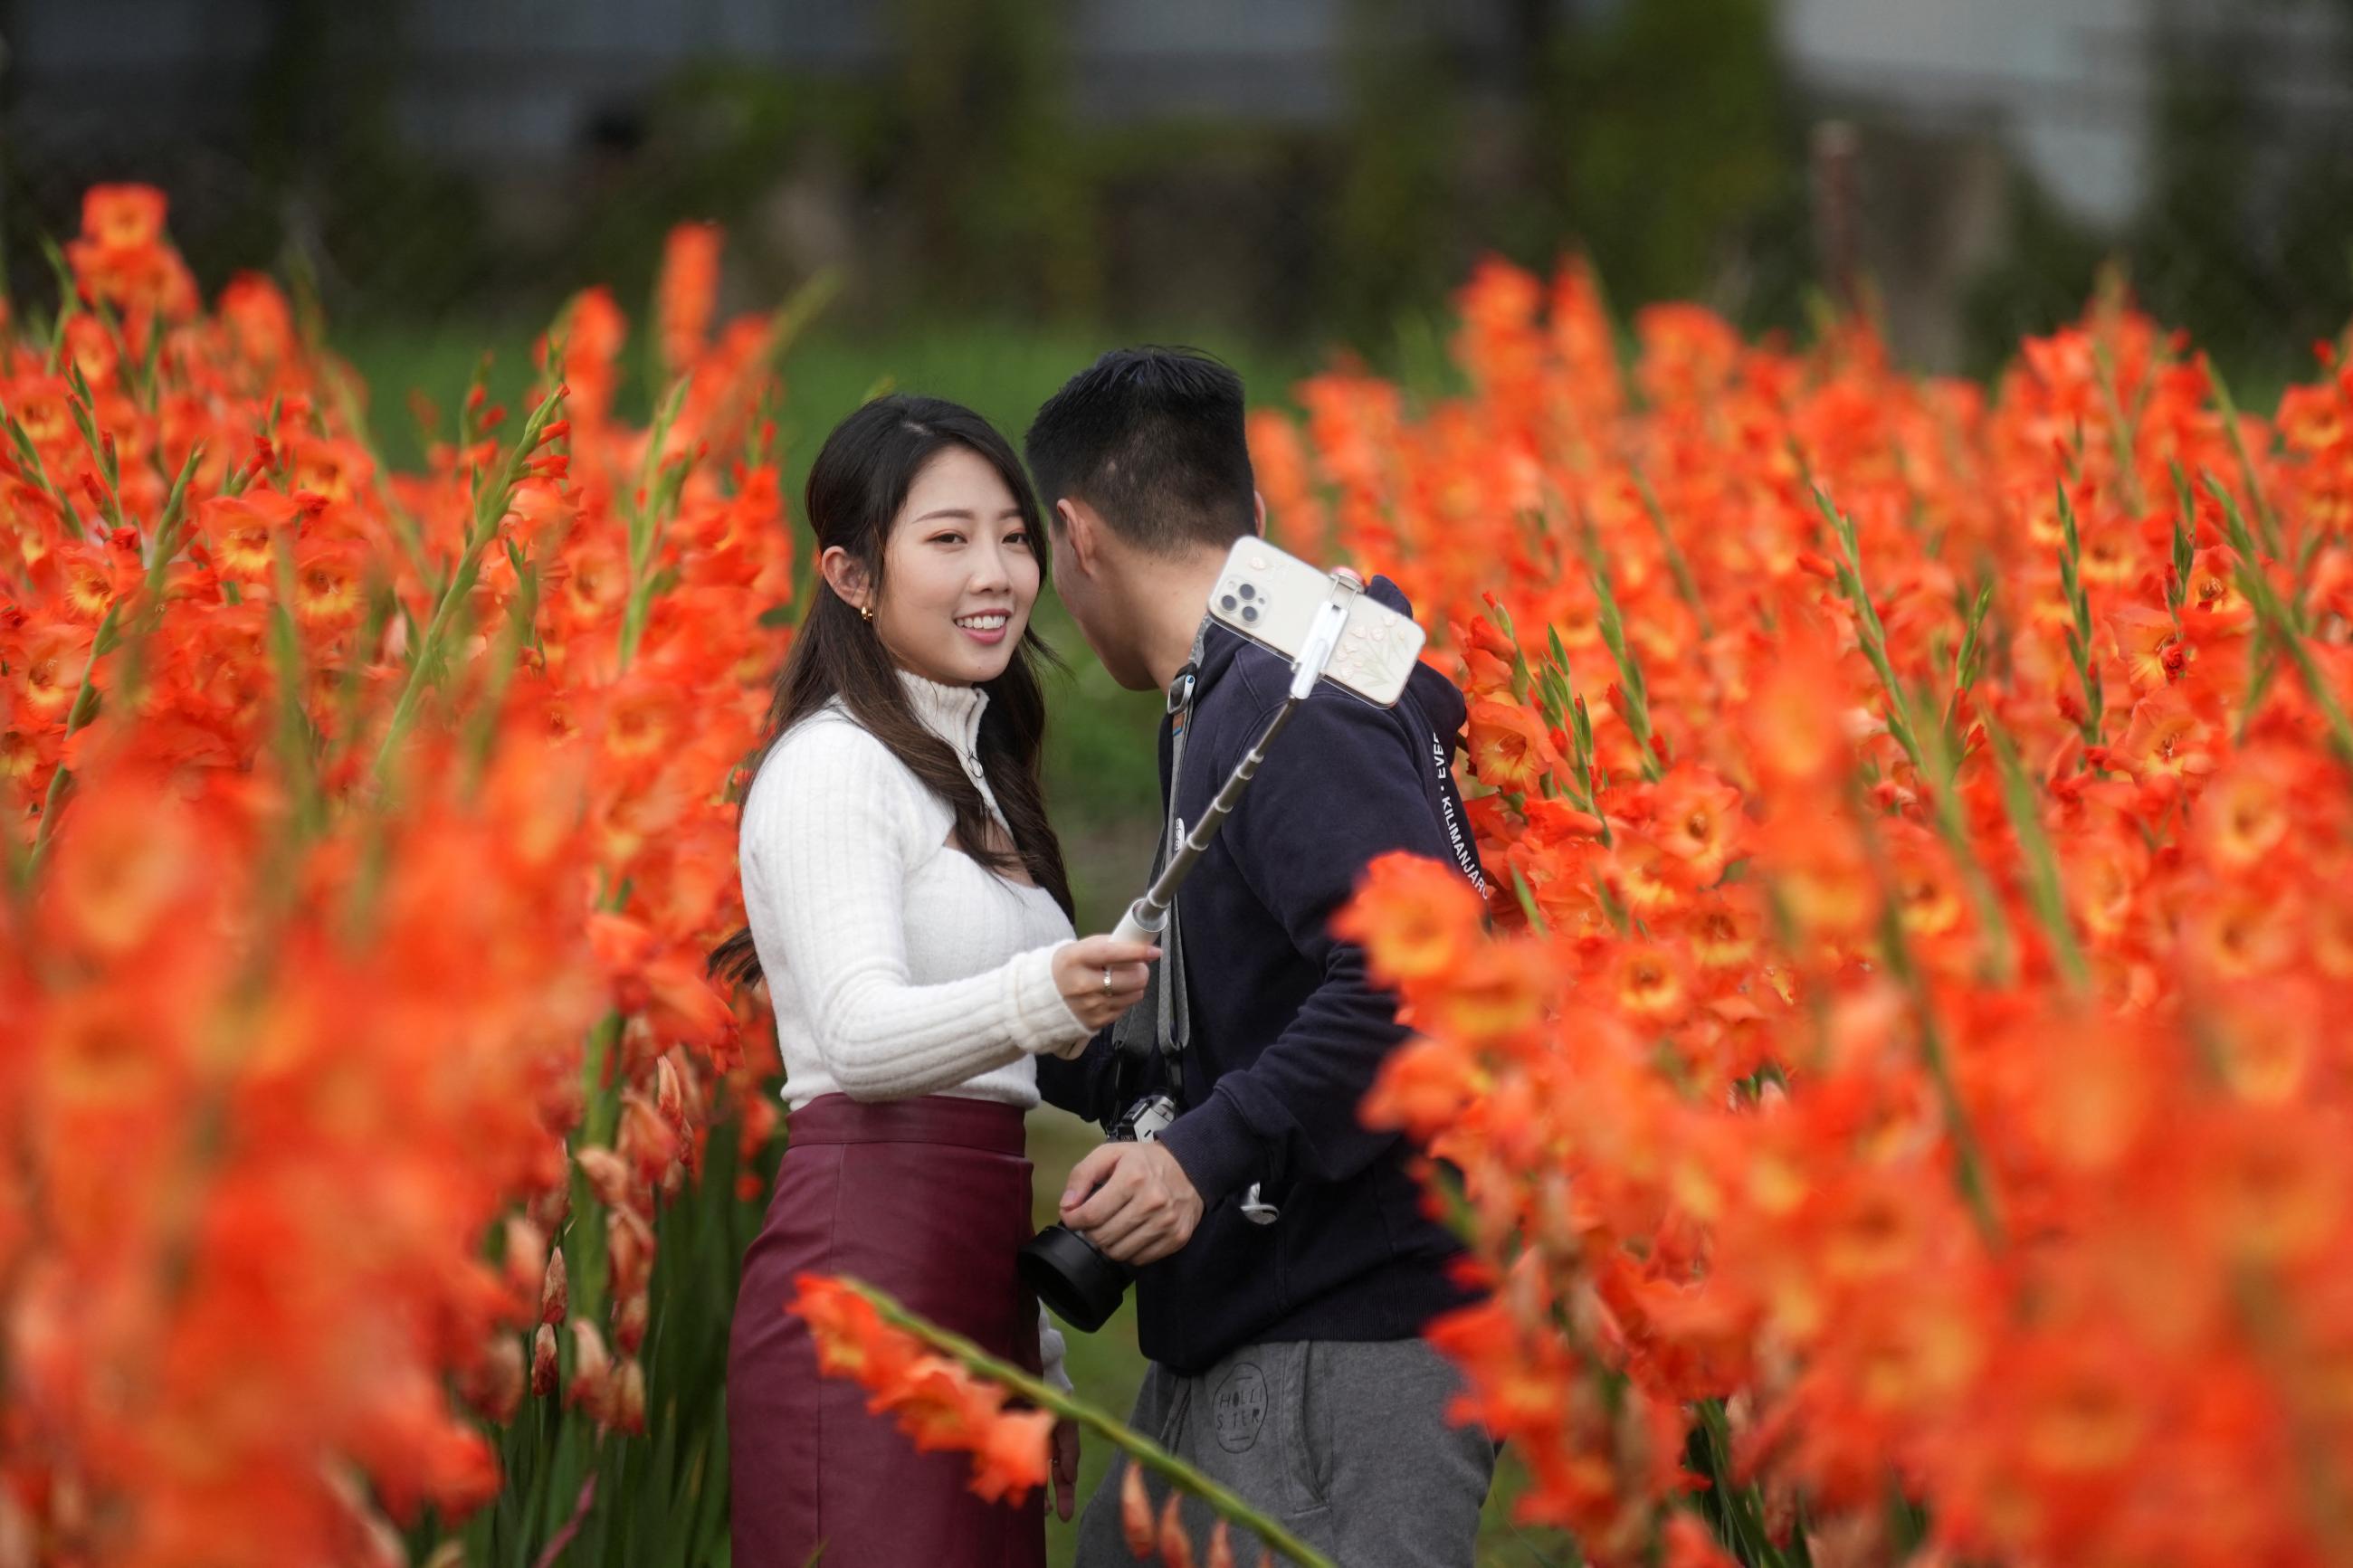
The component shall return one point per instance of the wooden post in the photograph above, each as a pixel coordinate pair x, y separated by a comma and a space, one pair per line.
1833, 160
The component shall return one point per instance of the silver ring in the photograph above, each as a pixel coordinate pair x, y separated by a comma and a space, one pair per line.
1106, 979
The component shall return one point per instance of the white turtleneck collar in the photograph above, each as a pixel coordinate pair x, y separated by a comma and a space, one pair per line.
953, 714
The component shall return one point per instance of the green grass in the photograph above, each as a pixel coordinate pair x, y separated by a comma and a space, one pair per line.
1001, 370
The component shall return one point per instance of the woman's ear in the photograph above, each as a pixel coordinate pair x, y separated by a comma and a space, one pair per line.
1258, 515
846, 576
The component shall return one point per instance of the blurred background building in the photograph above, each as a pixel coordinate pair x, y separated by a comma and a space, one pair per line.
1291, 173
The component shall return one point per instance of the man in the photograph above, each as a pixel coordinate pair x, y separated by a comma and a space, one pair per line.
1286, 1267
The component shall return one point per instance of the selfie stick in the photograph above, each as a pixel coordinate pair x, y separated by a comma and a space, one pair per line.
1148, 916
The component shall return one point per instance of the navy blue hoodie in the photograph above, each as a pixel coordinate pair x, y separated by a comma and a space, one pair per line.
1288, 1030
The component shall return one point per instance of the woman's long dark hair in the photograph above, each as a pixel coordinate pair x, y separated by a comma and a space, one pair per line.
856, 491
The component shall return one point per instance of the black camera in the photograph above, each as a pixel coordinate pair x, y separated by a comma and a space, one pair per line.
1070, 1273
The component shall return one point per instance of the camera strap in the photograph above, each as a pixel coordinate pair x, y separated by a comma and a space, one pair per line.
1152, 1034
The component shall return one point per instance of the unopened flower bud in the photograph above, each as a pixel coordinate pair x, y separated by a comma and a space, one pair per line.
694, 1093
1176, 1548
668, 1098
629, 1396
1136, 1510
592, 1373
552, 1207
556, 1290
543, 1361
647, 1141
608, 1173
629, 1323
526, 1257
494, 1386
629, 1247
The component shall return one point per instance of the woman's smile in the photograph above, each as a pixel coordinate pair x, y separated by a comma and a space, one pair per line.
985, 626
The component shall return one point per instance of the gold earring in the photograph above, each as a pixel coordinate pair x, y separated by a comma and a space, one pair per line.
866, 612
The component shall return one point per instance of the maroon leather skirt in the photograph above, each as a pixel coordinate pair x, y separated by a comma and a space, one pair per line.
928, 1198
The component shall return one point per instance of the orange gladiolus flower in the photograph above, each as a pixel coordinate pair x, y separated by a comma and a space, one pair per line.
1509, 748
2166, 740
1414, 917
123, 218
690, 289
935, 1401
1699, 822
240, 531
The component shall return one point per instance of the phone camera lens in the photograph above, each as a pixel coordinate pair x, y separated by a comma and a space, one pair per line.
1227, 604
1248, 592
1249, 612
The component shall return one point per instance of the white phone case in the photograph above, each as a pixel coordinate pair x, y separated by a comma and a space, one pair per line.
1270, 598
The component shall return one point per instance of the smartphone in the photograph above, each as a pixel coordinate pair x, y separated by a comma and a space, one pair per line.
1272, 598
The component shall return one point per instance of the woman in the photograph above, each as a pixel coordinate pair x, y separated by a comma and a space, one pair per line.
910, 911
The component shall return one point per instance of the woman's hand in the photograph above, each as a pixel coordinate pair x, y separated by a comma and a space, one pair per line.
1101, 976
1066, 1467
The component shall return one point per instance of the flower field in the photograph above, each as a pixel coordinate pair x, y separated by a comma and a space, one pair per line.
1892, 1090
1904, 1090
366, 834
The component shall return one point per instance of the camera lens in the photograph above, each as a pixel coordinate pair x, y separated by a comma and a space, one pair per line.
1248, 592
1227, 604
1249, 612
1064, 1269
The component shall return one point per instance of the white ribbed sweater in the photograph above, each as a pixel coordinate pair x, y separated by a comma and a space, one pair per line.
896, 964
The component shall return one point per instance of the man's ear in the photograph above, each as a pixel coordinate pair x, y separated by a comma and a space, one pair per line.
1081, 529
1258, 515
846, 575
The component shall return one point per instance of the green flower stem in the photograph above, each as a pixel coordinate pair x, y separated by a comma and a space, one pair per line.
1740, 1509
1969, 663
29, 464
1977, 1189
1871, 634
1937, 762
1631, 688
1044, 1395
2044, 885
2266, 518
2120, 432
85, 705
2080, 646
1685, 584
489, 508
110, 475
405, 530
169, 531
2280, 622
1526, 895
659, 488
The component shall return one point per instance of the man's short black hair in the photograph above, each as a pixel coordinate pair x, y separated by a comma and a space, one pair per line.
1151, 439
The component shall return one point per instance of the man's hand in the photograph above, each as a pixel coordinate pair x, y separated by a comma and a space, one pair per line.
1141, 1208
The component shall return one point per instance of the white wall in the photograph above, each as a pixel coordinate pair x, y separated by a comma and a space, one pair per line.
2065, 81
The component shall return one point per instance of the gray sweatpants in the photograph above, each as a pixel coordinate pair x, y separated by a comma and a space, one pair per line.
1345, 1444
